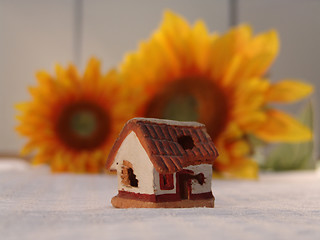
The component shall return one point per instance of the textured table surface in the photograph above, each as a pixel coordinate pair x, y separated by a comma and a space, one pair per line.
35, 204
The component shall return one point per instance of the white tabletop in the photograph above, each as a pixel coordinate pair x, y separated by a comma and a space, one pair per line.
35, 204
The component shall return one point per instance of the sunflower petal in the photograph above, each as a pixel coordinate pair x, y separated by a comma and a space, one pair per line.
40, 158
281, 127
288, 91
263, 50
58, 163
28, 148
172, 38
92, 72
44, 78
225, 48
22, 106
200, 45
174, 22
255, 59
290, 156
239, 168
239, 148
250, 121
246, 169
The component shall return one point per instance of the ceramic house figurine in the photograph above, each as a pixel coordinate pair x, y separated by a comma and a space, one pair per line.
163, 164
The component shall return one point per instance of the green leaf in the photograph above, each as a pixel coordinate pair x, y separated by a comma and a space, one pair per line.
293, 156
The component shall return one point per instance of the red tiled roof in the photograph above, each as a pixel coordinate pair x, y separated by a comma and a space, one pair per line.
160, 140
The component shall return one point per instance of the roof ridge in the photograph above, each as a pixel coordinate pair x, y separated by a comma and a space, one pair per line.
158, 121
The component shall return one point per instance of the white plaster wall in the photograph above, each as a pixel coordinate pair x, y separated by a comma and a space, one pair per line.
157, 189
131, 150
206, 169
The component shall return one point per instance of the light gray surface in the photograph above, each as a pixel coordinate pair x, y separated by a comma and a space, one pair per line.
35, 204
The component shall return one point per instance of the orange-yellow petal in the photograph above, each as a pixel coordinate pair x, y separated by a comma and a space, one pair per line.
239, 148
251, 121
92, 72
288, 91
200, 45
262, 51
226, 47
254, 60
281, 127
246, 169
241, 168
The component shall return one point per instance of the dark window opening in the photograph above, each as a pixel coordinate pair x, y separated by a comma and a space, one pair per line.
132, 178
186, 142
128, 178
200, 178
166, 181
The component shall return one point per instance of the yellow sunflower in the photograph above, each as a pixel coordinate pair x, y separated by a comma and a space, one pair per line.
185, 73
72, 120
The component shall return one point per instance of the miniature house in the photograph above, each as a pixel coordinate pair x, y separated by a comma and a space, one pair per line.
163, 163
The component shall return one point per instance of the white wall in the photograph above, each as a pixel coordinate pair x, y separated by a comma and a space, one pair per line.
132, 151
35, 34
206, 169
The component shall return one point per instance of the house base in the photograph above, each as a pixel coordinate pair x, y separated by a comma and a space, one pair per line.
120, 202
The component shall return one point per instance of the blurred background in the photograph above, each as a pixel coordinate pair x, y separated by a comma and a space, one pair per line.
36, 34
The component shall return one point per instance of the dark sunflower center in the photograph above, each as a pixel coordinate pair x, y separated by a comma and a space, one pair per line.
83, 123
83, 126
192, 99
181, 107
